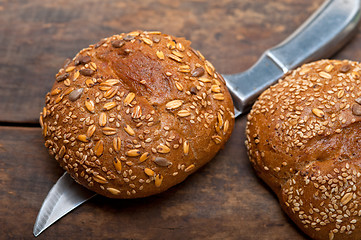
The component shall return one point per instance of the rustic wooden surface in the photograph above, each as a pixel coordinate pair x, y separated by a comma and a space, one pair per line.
224, 200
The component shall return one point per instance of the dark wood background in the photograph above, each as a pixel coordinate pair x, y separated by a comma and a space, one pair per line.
224, 200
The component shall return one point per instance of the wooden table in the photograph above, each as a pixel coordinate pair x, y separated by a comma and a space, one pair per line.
224, 200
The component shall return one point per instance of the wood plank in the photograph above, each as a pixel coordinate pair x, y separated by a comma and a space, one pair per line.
37, 36
224, 200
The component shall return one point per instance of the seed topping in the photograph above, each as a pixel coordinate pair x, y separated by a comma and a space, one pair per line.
86, 72
318, 112
62, 77
174, 104
118, 43
75, 94
163, 162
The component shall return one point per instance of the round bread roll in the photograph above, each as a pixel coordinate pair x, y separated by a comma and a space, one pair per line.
136, 113
304, 141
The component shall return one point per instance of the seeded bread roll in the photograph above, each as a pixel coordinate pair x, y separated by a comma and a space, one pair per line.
304, 141
135, 114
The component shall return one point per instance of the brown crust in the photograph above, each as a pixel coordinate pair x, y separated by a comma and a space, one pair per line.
303, 139
136, 114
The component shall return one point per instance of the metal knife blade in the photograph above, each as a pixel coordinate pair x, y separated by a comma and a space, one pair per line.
325, 32
320, 36
63, 197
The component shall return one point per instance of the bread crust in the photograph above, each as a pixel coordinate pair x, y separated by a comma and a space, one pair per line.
136, 113
303, 140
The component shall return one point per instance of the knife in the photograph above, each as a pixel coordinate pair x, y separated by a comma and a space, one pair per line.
320, 36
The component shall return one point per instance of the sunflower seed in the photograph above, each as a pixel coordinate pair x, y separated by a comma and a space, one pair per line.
82, 60
345, 68
129, 38
118, 43
75, 94
62, 77
163, 162
101, 42
86, 72
193, 90
197, 72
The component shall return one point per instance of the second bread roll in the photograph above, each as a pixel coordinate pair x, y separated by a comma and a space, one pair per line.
304, 141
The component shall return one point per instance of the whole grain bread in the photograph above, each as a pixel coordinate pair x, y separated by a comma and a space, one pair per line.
136, 113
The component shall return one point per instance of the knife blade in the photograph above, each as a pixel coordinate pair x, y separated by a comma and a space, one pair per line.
63, 197
320, 36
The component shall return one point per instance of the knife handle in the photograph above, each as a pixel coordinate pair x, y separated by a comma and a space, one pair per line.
320, 36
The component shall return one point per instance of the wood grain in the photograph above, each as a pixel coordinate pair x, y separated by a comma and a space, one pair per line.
224, 200
39, 35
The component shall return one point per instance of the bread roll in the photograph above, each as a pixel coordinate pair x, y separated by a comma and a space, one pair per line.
304, 141
135, 114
